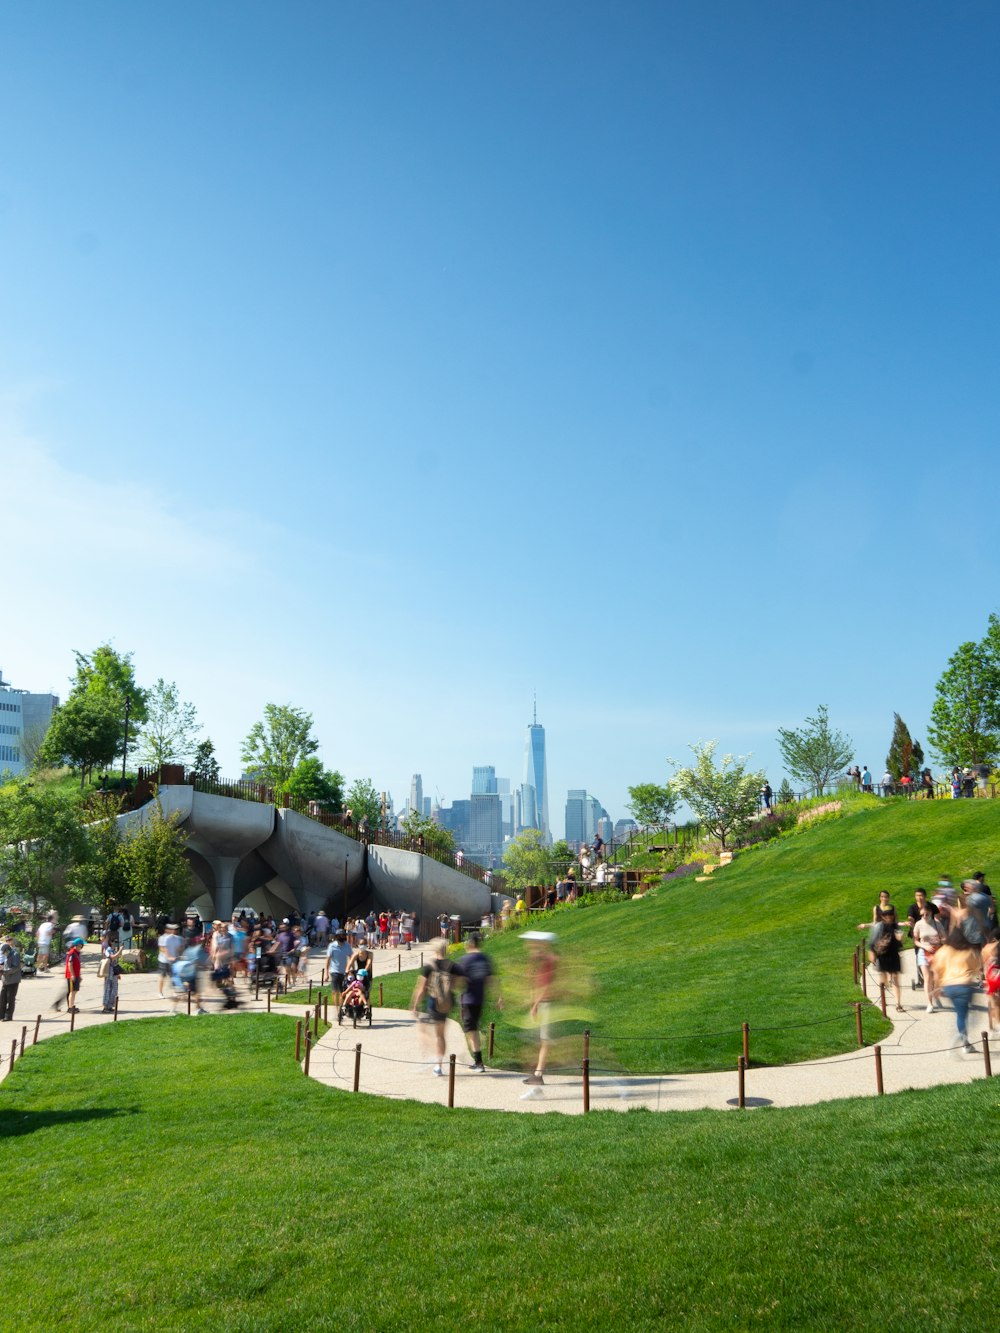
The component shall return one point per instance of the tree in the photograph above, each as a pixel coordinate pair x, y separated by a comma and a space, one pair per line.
651, 804
527, 860
814, 752
110, 676
84, 732
438, 842
205, 764
785, 793
312, 782
965, 717
155, 867
99, 878
560, 858
723, 798
41, 838
171, 728
364, 802
905, 754
275, 746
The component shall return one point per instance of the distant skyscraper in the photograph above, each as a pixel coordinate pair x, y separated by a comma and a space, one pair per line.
417, 793
506, 806
535, 776
484, 780
527, 808
576, 817
486, 820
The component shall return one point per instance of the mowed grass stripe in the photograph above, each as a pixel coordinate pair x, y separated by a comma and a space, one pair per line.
185, 1175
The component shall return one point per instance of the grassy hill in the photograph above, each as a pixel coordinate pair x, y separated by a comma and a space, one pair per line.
767, 940
183, 1175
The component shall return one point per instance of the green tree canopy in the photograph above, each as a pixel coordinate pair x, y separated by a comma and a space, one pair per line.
652, 804
85, 732
170, 733
312, 782
723, 798
98, 878
154, 864
275, 746
814, 752
438, 842
965, 716
560, 858
905, 754
527, 860
364, 801
204, 764
41, 840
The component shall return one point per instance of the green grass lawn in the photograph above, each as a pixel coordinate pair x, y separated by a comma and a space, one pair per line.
767, 940
171, 1174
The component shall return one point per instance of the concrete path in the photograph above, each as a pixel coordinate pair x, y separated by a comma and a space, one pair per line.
396, 1058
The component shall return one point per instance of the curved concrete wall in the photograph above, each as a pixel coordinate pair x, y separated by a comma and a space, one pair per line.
317, 863
411, 881
276, 859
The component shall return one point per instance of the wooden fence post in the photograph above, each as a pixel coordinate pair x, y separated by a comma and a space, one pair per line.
38, 1024
489, 1051
451, 1081
878, 1070
986, 1054
881, 994
857, 1022
586, 1084
357, 1066
741, 1070
746, 1043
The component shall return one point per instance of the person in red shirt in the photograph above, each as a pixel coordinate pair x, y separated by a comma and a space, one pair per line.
72, 976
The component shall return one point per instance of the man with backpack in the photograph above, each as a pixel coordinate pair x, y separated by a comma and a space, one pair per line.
434, 989
10, 977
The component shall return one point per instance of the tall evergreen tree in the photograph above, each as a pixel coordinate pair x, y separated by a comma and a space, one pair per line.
905, 755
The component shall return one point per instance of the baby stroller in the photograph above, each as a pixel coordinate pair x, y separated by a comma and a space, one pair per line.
223, 979
355, 1000
28, 962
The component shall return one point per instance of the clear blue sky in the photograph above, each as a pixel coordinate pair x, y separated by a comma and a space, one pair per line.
399, 360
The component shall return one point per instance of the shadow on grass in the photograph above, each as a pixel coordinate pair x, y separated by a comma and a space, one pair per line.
13, 1123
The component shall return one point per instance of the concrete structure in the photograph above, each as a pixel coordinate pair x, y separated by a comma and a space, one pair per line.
409, 880
270, 859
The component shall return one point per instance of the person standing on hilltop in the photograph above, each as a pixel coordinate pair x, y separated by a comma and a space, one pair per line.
866, 781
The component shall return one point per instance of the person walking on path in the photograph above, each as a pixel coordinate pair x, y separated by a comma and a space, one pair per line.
884, 940
169, 947
10, 977
337, 957
43, 937
108, 971
542, 968
475, 970
956, 971
434, 991
928, 936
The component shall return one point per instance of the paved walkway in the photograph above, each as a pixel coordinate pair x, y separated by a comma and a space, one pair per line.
396, 1062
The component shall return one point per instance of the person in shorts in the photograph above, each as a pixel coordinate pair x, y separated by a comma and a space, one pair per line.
169, 946
337, 957
434, 991
72, 971
475, 970
542, 966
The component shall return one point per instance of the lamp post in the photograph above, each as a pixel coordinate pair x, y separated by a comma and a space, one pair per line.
128, 705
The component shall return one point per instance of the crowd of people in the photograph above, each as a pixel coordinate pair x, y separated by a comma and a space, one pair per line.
956, 935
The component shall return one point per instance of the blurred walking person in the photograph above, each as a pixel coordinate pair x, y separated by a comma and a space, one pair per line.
543, 965
956, 973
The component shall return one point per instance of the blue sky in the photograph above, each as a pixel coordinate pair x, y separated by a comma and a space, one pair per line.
402, 360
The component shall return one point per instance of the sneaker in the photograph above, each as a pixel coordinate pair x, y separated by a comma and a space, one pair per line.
439, 1071
535, 1079
930, 1009
970, 1049
478, 1066
531, 1092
